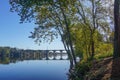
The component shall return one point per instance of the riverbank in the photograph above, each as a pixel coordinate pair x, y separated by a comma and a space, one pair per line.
103, 69
100, 70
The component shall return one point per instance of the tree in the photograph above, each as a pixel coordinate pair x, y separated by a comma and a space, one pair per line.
52, 17
95, 18
117, 28
55, 18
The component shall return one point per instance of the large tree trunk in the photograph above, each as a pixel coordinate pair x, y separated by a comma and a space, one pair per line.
115, 75
117, 29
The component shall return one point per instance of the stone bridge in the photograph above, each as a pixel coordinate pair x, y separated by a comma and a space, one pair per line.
43, 54
53, 54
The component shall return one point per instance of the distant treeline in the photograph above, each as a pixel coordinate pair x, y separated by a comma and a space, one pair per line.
12, 55
6, 51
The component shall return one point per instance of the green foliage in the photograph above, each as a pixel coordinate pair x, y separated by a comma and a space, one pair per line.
104, 50
47, 15
82, 68
4, 51
80, 38
54, 18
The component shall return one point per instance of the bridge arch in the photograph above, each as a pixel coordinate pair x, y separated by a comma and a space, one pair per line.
55, 54
51, 55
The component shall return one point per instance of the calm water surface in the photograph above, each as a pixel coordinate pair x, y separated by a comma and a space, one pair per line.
35, 70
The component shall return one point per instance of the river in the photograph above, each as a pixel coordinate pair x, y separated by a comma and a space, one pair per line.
33, 69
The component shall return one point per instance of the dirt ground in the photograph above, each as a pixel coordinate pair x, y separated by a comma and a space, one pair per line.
106, 69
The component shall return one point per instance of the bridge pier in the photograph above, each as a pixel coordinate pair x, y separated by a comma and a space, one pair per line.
61, 52
46, 54
54, 55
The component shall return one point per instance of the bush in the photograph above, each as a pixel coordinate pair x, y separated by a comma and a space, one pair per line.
82, 68
104, 50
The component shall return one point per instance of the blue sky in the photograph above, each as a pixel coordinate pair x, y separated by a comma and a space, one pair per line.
14, 34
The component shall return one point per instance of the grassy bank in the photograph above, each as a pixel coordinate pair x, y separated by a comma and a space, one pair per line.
97, 69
